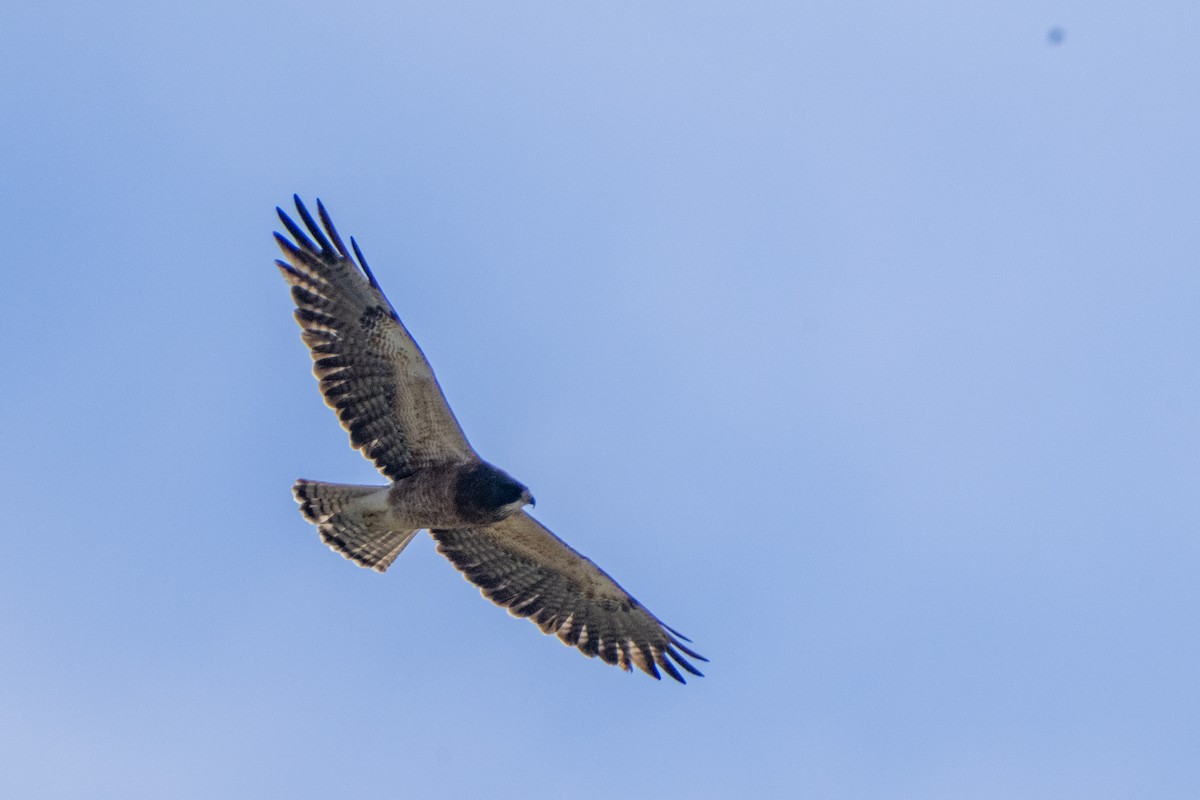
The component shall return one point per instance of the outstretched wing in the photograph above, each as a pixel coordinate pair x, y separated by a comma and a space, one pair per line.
371, 371
519, 564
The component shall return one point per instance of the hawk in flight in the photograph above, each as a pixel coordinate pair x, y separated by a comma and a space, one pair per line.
377, 379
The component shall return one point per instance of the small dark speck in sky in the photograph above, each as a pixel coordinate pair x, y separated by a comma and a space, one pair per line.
1056, 35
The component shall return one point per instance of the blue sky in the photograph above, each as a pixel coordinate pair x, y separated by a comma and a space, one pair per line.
857, 341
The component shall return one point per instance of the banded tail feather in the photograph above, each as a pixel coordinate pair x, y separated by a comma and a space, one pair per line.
353, 520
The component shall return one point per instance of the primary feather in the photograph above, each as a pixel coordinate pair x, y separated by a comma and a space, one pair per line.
370, 369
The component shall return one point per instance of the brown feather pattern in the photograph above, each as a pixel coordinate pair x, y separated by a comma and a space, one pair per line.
519, 564
371, 372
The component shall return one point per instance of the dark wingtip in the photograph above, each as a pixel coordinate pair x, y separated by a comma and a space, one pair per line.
362, 262
286, 268
690, 652
679, 638
286, 246
292, 228
313, 227
672, 630
681, 661
323, 215
670, 669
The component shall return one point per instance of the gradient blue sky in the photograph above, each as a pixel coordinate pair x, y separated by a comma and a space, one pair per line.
859, 342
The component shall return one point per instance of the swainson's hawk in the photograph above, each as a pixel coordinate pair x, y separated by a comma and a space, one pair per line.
384, 391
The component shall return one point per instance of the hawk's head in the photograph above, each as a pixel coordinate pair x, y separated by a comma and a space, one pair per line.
485, 494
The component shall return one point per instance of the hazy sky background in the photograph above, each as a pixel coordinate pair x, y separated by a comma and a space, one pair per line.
857, 340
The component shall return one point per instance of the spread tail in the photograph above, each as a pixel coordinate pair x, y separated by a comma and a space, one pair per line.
353, 520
